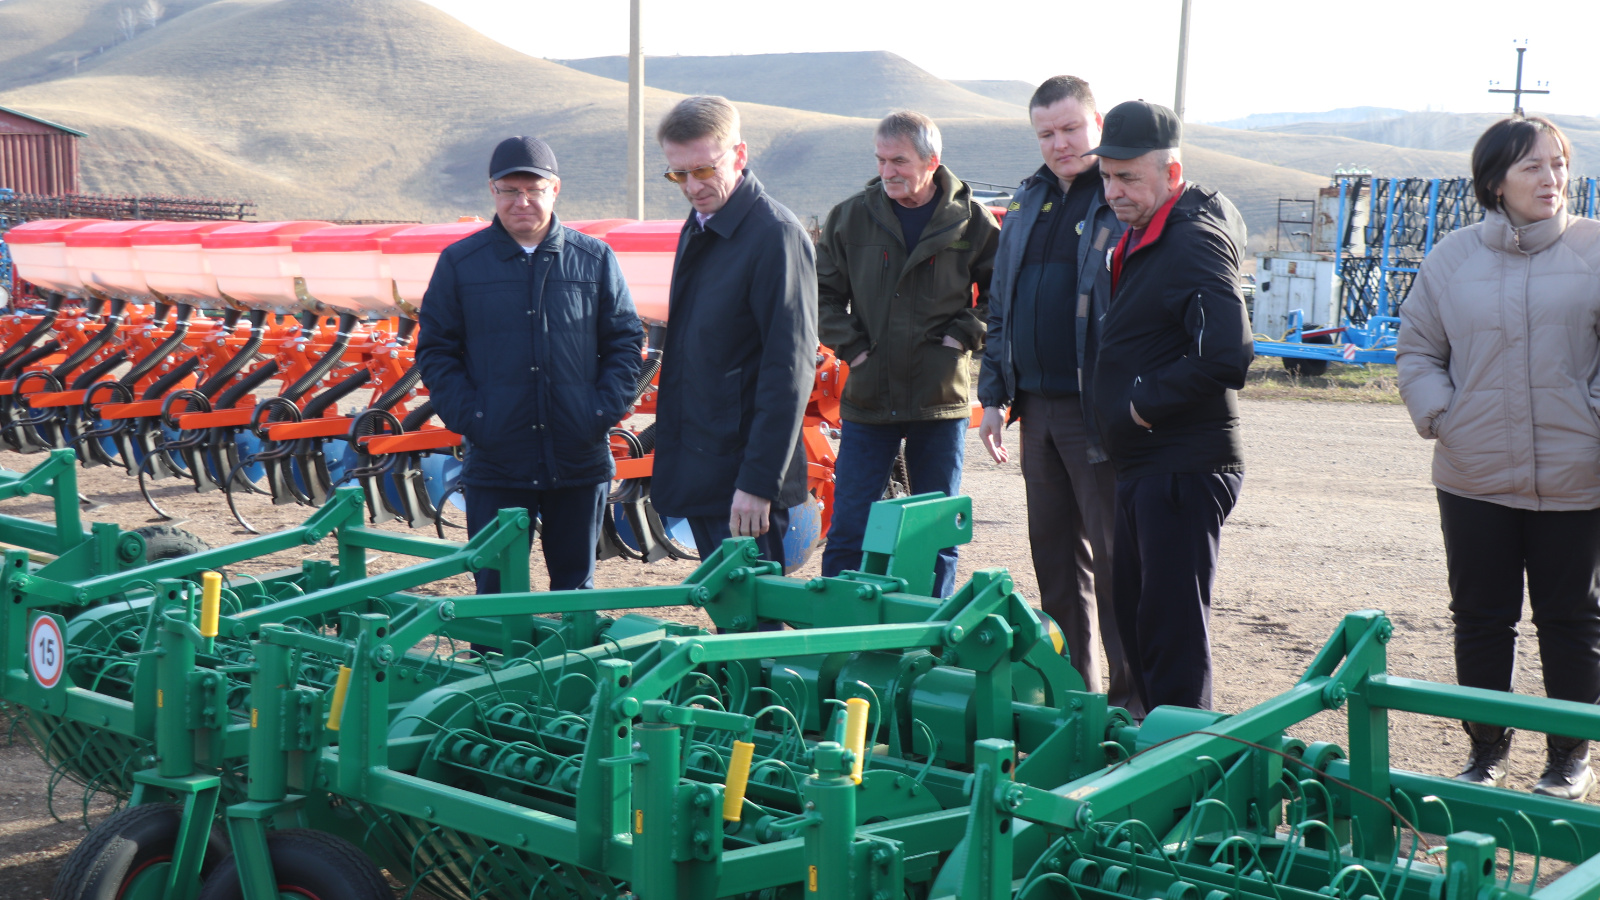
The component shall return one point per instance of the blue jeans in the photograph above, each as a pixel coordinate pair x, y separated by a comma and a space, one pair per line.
935, 452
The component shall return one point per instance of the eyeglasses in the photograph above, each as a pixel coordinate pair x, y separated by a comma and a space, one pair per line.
529, 194
701, 173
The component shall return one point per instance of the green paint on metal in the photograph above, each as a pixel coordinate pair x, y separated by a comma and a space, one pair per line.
585, 753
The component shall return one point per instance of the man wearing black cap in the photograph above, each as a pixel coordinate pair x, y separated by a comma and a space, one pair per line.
1049, 292
529, 347
1174, 347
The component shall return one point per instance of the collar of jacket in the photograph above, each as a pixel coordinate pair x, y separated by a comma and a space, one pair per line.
725, 221
950, 192
1048, 178
1500, 234
1151, 233
507, 248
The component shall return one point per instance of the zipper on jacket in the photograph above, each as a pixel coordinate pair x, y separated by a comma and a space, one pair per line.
1200, 343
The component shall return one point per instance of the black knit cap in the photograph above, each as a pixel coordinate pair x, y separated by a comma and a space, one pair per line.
522, 154
1135, 128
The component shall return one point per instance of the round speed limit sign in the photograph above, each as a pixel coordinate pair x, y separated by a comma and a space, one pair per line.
46, 651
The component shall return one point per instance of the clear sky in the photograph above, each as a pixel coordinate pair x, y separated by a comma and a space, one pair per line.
1245, 56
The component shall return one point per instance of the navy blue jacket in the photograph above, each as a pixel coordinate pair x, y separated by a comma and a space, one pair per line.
739, 360
531, 362
997, 380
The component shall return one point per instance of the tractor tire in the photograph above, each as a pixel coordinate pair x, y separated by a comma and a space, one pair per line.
126, 848
1309, 368
1306, 368
166, 542
313, 863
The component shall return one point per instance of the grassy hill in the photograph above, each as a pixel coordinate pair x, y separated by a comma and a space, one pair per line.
1320, 154
1017, 93
1454, 132
367, 109
40, 40
869, 84
1347, 114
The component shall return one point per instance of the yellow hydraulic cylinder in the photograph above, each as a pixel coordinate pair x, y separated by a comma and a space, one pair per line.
855, 733
210, 603
738, 780
336, 708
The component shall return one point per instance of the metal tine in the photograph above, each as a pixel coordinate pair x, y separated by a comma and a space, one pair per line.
1238, 869
1538, 848
1155, 844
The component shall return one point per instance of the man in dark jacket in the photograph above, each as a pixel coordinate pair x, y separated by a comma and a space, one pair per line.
896, 269
740, 353
530, 347
1049, 291
1174, 348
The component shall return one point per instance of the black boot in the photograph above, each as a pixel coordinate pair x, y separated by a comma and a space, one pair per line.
1491, 744
1567, 774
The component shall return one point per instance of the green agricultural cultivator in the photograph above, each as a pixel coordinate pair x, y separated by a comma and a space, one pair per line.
290, 735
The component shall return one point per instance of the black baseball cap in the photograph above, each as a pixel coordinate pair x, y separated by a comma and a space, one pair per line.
1135, 128
522, 154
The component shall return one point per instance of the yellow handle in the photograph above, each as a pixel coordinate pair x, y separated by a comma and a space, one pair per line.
855, 733
738, 779
340, 688
210, 603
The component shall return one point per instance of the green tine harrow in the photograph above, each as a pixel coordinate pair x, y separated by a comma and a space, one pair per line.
288, 735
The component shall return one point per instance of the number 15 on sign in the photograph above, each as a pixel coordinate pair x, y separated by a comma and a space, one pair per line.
46, 651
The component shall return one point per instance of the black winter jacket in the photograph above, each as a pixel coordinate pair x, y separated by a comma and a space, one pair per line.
1176, 343
531, 363
997, 380
739, 360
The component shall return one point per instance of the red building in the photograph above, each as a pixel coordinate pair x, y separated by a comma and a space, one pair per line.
36, 156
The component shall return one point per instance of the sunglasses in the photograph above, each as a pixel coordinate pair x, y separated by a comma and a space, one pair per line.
701, 173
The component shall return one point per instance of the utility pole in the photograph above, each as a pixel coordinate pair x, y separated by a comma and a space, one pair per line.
635, 202
1183, 60
1519, 90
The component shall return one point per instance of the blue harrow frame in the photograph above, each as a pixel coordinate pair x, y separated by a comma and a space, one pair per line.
1406, 217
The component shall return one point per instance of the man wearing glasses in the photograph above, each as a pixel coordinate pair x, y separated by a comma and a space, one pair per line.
898, 265
740, 352
530, 347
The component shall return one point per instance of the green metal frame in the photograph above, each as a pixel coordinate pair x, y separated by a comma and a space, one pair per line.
573, 753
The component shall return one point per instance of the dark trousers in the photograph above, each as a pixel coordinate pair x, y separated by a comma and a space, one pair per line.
935, 452
1168, 535
1488, 547
569, 529
1071, 514
711, 531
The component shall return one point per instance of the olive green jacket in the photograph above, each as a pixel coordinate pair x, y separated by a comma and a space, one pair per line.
898, 307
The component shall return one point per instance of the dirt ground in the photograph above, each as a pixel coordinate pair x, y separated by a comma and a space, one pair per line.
1337, 515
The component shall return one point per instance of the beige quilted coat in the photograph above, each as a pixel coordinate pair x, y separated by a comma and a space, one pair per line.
1499, 354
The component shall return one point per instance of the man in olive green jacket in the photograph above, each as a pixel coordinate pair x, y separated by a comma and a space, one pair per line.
902, 291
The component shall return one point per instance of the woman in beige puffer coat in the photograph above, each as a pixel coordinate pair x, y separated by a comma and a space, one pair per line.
1499, 358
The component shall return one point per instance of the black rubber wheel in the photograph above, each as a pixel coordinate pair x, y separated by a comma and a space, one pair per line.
1309, 368
130, 845
166, 542
311, 863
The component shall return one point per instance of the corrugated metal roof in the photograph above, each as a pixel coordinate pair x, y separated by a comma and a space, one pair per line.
18, 112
